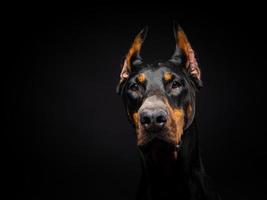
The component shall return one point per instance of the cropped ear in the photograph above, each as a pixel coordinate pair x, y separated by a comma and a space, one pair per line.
133, 57
183, 48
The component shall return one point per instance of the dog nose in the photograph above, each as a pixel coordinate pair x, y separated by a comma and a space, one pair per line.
153, 120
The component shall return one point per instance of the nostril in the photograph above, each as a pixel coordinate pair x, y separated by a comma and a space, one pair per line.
153, 120
161, 119
145, 120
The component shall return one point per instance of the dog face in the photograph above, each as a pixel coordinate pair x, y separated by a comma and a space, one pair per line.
159, 98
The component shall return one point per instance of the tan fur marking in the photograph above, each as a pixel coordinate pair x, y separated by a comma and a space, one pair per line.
176, 123
179, 119
141, 78
137, 128
167, 76
189, 111
136, 46
135, 118
184, 44
135, 49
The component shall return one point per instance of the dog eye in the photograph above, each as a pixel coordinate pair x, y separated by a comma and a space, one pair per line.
134, 87
176, 84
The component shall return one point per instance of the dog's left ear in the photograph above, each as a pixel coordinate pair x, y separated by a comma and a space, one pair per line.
132, 58
183, 48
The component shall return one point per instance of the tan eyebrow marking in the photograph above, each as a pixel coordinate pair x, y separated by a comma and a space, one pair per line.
141, 78
167, 76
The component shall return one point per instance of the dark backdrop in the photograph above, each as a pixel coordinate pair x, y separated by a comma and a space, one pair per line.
67, 134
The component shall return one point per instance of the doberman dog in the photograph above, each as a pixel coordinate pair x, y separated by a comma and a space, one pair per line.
159, 100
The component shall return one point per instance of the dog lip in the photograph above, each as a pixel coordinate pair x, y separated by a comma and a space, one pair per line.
152, 130
155, 135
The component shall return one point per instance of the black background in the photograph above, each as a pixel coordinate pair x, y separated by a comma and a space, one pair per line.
67, 134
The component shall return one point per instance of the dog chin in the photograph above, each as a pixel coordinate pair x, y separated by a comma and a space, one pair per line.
158, 141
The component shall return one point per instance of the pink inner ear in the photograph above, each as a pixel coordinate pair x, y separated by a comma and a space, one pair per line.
195, 72
193, 65
124, 75
124, 72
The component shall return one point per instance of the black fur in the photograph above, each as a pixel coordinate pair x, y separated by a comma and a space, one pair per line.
163, 177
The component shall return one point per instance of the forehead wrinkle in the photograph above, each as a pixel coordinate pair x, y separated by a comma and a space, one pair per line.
154, 80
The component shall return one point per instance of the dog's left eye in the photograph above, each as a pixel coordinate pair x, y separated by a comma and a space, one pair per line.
134, 87
176, 84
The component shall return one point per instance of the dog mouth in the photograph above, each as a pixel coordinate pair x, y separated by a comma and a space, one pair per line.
165, 136
159, 151
169, 133
156, 119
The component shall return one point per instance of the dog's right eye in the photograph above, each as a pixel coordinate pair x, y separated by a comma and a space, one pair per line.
134, 87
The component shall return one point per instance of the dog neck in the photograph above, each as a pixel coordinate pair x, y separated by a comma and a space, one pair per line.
167, 172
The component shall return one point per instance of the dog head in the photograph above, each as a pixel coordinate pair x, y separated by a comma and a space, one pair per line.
159, 97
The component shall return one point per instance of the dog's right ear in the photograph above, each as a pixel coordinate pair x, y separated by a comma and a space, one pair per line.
132, 58
183, 48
